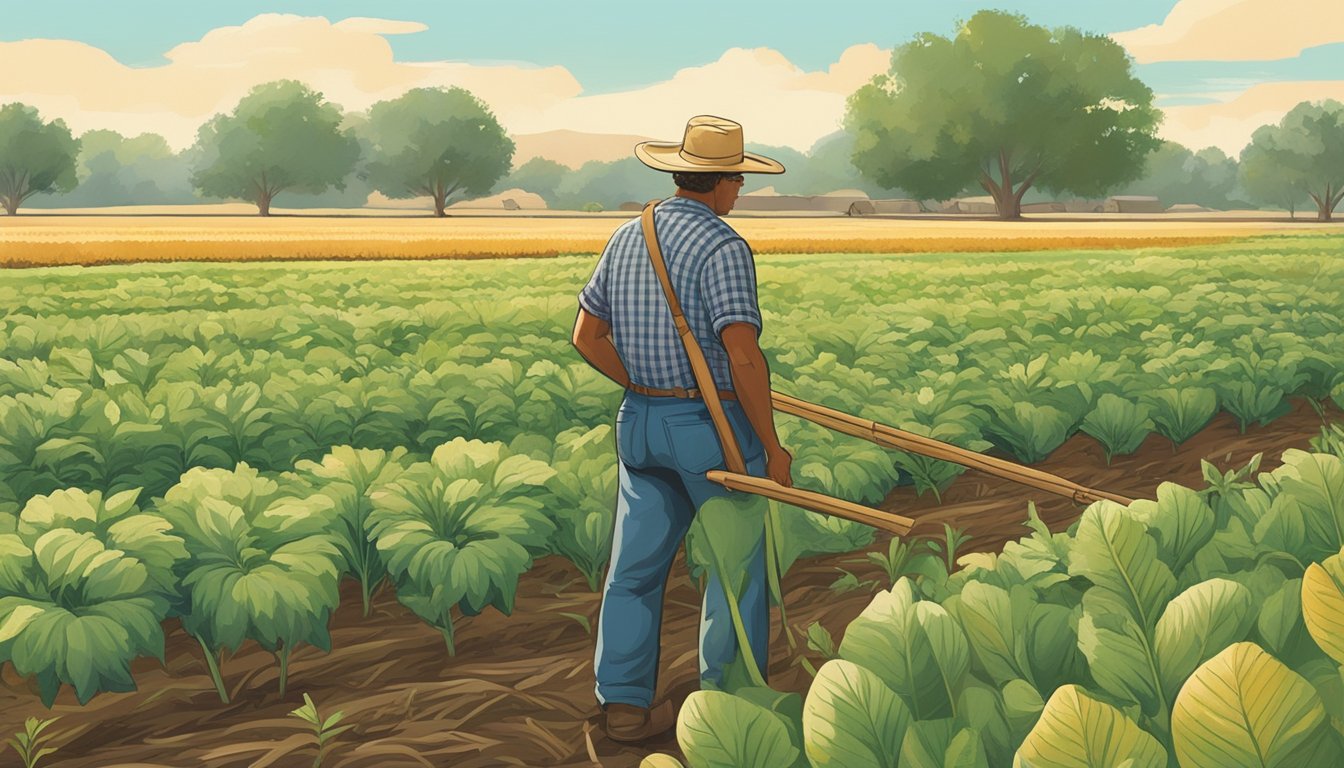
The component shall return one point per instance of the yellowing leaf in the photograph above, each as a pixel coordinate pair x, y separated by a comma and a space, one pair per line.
1243, 707
1077, 731
1323, 605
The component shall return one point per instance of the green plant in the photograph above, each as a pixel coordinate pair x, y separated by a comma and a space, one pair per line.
458, 530
1330, 440
1119, 425
895, 561
953, 540
85, 583
28, 744
261, 567
324, 731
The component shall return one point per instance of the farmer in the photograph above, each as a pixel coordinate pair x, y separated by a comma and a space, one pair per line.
665, 441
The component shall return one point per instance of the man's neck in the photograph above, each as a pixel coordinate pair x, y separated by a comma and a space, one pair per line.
700, 197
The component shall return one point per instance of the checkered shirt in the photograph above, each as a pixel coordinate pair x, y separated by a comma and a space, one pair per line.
715, 279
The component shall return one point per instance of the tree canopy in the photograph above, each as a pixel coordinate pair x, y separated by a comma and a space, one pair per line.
1008, 105
35, 156
1175, 174
436, 142
1300, 157
281, 136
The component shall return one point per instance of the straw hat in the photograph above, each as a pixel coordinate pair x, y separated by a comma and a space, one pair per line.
711, 145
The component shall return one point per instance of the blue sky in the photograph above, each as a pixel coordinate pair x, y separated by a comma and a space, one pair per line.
612, 46
1219, 68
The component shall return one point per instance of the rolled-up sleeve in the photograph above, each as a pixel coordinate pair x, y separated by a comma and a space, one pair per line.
728, 285
593, 297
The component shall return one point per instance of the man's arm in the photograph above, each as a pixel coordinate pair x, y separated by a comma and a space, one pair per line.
751, 381
592, 337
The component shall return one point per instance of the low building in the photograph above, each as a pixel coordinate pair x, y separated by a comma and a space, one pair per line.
1132, 204
875, 207
1188, 208
981, 205
1049, 207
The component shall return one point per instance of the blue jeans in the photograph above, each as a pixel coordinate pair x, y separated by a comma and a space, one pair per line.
665, 445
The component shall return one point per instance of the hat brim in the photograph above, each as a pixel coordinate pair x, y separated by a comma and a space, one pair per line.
663, 156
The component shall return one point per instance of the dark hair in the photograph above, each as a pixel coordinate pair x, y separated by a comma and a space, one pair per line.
695, 181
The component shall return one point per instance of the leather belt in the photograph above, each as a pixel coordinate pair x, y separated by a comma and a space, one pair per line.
682, 392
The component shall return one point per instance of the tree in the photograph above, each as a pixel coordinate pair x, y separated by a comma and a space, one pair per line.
1301, 156
35, 156
435, 142
281, 136
1007, 105
612, 183
115, 170
1173, 173
539, 176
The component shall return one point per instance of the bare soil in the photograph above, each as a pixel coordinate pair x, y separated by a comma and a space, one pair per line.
519, 692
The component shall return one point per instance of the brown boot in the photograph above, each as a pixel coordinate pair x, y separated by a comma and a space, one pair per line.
628, 724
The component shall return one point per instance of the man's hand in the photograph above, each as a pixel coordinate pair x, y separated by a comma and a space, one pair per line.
778, 465
751, 381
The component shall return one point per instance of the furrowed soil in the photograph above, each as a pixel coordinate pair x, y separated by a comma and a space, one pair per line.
519, 692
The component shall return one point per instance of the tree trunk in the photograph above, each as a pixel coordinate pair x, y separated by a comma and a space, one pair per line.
1010, 208
264, 205
440, 201
11, 206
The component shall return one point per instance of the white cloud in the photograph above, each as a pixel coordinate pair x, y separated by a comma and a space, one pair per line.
1236, 30
352, 64
1229, 124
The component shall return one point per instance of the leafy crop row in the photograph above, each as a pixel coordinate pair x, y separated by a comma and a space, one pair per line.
1202, 628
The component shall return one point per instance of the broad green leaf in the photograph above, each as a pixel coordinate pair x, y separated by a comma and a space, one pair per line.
1316, 482
917, 649
1180, 521
986, 615
660, 760
19, 615
719, 730
1245, 708
926, 743
852, 719
981, 708
1323, 605
1280, 615
1022, 707
1116, 553
1197, 624
1077, 731
1118, 651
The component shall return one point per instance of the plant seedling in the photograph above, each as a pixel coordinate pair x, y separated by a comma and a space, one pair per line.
323, 731
953, 540
895, 563
29, 743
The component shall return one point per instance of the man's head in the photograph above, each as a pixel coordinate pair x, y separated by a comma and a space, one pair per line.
717, 190
708, 163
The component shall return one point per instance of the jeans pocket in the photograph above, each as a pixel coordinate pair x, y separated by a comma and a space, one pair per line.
630, 444
693, 442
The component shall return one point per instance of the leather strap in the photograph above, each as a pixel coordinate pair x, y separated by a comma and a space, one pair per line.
681, 392
732, 454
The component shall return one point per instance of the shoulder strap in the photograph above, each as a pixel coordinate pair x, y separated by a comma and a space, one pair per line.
704, 380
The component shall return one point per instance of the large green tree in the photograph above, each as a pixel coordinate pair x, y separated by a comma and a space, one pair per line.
1301, 156
436, 142
539, 176
281, 136
1174, 174
35, 156
1007, 105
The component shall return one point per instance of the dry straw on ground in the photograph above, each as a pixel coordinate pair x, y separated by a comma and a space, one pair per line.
28, 241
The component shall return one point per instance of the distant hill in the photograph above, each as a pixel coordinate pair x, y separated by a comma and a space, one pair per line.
574, 148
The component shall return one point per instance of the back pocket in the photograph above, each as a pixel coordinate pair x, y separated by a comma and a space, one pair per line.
694, 443
631, 446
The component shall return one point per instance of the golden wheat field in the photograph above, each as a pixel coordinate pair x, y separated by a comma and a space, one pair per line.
46, 239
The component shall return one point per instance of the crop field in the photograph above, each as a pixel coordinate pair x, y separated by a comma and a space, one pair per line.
390, 485
43, 240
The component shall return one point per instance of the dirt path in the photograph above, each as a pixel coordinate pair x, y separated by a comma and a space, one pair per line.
519, 690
